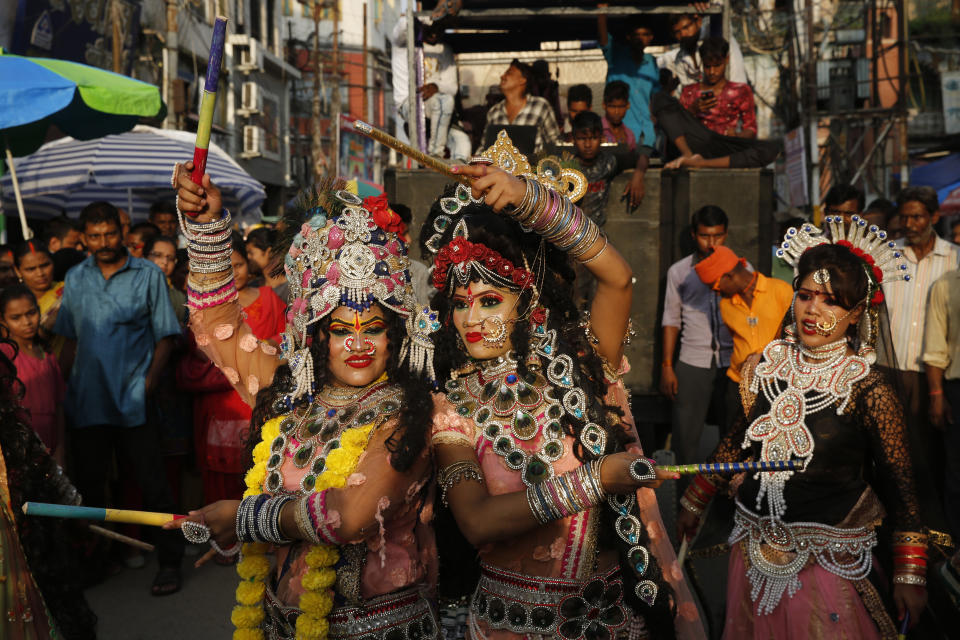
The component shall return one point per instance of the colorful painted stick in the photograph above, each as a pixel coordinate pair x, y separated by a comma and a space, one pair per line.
732, 467
388, 140
150, 518
208, 101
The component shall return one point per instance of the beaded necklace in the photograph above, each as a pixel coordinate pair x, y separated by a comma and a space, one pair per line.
311, 436
797, 382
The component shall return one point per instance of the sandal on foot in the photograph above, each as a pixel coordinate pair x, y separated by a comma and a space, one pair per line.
166, 582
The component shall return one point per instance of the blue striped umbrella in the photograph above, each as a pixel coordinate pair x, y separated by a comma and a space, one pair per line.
130, 170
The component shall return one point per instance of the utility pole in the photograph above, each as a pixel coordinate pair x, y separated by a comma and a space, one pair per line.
316, 148
335, 92
810, 67
904, 84
366, 84
170, 63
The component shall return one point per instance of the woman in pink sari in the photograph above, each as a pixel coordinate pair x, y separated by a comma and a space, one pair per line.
537, 456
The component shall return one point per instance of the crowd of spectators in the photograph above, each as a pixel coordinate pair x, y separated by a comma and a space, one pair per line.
114, 383
689, 106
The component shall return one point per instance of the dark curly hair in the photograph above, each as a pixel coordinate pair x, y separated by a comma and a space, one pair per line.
32, 475
556, 296
410, 437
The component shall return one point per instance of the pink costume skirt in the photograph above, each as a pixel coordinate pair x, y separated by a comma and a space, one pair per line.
826, 606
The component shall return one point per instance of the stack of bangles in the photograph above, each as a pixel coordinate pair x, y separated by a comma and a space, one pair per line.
558, 220
258, 519
698, 495
563, 496
312, 520
910, 558
209, 248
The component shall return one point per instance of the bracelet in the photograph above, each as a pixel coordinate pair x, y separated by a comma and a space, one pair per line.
689, 506
938, 392
910, 578
317, 513
455, 473
304, 522
198, 301
563, 496
606, 242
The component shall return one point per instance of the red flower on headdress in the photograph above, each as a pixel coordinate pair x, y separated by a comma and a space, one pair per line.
539, 315
877, 298
384, 217
461, 250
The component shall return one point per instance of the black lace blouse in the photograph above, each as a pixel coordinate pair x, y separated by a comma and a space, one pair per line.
867, 444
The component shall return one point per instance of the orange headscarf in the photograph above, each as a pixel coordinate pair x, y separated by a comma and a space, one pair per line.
721, 261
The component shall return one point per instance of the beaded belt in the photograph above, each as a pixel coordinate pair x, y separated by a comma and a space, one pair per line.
779, 550
557, 607
403, 615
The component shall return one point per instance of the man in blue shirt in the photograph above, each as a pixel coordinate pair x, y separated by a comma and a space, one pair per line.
627, 62
120, 328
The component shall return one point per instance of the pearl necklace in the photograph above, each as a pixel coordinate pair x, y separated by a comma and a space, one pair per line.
795, 387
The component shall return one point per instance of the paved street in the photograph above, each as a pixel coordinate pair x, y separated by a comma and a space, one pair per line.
201, 610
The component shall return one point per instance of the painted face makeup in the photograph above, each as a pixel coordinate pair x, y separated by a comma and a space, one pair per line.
484, 315
358, 345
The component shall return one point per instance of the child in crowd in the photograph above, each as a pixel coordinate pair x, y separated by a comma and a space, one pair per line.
579, 99
616, 103
162, 251
37, 369
598, 166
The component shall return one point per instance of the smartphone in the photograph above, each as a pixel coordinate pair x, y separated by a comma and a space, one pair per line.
706, 95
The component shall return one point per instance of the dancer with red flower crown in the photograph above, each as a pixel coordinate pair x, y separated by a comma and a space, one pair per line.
802, 557
538, 459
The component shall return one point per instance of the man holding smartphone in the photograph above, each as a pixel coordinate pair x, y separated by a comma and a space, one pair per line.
725, 107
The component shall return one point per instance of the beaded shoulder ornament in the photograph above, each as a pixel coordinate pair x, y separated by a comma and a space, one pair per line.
549, 172
798, 381
341, 256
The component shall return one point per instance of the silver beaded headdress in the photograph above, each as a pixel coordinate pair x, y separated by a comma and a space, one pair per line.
868, 243
883, 262
342, 255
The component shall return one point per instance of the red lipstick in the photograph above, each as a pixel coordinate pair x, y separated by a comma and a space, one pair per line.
474, 336
359, 362
808, 327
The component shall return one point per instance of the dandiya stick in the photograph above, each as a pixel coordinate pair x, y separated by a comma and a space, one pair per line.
119, 537
733, 467
149, 518
208, 101
388, 140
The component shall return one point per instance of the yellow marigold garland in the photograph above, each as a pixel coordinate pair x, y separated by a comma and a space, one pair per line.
317, 599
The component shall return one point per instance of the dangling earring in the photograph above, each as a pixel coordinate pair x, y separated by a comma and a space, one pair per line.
500, 338
865, 330
790, 328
